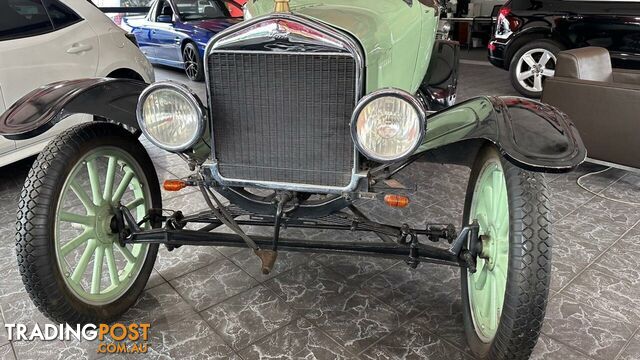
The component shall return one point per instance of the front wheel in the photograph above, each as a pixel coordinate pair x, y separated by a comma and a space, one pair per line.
504, 301
68, 252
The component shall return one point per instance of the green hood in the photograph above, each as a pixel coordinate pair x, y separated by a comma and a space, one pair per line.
397, 37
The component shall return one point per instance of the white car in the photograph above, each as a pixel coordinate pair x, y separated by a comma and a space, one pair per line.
43, 41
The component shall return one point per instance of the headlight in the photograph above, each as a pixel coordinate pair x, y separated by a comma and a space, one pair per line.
170, 116
388, 125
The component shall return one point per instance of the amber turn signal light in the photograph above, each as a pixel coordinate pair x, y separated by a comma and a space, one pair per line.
174, 185
396, 201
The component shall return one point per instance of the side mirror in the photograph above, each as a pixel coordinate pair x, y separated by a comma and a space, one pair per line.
164, 19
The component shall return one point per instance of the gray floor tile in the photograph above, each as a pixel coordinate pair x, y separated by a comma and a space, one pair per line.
249, 262
249, 316
38, 349
572, 253
413, 342
183, 260
632, 350
308, 286
159, 305
191, 338
4, 339
155, 279
298, 340
445, 320
617, 297
6, 353
549, 349
411, 291
585, 328
622, 260
213, 284
355, 319
356, 269
21, 310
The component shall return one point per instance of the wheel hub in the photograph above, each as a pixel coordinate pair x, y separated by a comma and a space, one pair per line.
103, 220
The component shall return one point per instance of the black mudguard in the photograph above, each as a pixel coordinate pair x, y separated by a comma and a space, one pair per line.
39, 110
530, 134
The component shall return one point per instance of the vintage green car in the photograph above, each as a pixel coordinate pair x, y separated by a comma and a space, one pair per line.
310, 107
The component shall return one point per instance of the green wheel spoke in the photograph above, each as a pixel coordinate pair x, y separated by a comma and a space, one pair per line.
110, 177
76, 218
96, 278
81, 268
126, 180
77, 241
481, 280
126, 253
135, 203
113, 268
82, 195
94, 180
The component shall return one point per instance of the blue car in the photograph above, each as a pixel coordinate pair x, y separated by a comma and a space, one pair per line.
175, 32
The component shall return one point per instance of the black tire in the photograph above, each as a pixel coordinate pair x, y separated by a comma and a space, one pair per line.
543, 44
35, 243
529, 267
191, 57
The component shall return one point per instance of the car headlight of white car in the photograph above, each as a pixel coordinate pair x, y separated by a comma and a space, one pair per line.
171, 116
388, 125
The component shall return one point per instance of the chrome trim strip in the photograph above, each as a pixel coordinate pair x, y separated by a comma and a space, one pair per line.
280, 52
190, 96
347, 43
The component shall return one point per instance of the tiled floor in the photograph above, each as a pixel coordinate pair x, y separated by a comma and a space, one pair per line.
213, 303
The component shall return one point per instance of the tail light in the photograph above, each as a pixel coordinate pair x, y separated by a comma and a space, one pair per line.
506, 23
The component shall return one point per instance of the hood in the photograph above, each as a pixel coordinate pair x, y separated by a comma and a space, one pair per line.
397, 37
213, 25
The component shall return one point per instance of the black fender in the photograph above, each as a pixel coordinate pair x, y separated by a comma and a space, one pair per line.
530, 134
41, 109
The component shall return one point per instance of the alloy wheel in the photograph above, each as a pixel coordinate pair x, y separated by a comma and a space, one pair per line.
533, 67
487, 286
190, 62
95, 267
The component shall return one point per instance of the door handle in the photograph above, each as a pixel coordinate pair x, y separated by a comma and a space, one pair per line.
79, 48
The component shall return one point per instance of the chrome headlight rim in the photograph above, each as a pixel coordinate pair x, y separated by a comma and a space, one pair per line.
191, 98
389, 92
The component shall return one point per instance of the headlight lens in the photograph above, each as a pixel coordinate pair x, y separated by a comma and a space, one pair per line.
170, 116
388, 125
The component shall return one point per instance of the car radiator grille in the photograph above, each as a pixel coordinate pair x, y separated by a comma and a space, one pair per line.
283, 117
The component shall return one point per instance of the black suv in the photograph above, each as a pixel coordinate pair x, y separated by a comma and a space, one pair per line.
528, 34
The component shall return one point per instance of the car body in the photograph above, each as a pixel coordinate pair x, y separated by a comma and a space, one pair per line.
81, 42
164, 33
311, 107
548, 26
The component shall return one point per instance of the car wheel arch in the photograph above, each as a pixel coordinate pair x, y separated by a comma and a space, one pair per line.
125, 73
529, 36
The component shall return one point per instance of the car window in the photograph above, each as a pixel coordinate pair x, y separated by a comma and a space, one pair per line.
201, 9
60, 14
21, 18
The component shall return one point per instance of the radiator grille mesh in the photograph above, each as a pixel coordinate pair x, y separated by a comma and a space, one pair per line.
283, 117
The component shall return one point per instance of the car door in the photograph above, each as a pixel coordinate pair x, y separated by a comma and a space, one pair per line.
66, 48
164, 33
140, 27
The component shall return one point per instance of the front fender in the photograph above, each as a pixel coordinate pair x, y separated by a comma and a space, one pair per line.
530, 134
41, 109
